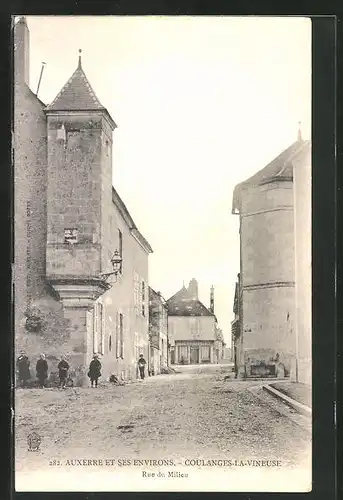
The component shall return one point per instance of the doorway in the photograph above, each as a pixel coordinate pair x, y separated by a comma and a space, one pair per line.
194, 355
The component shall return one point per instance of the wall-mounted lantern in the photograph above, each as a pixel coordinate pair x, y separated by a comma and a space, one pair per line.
116, 261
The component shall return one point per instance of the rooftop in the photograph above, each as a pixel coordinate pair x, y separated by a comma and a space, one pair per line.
77, 95
281, 168
184, 303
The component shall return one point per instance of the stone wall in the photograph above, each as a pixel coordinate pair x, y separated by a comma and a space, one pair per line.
74, 194
32, 297
267, 277
268, 325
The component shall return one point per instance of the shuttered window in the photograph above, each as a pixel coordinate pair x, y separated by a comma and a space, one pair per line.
120, 336
143, 298
121, 333
117, 336
136, 294
100, 329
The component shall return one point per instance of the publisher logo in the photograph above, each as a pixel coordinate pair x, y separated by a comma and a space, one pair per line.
34, 440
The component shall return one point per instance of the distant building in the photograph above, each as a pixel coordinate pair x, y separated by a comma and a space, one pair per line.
69, 221
236, 337
192, 327
158, 332
268, 328
227, 354
219, 346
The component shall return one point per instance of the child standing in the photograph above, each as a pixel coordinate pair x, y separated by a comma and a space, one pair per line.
63, 368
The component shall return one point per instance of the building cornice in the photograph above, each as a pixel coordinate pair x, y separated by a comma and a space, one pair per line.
283, 208
275, 284
82, 112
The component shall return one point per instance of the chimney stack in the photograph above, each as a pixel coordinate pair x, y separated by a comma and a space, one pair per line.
193, 289
21, 52
212, 299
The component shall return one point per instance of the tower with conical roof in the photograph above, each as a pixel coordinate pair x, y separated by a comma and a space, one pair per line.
79, 192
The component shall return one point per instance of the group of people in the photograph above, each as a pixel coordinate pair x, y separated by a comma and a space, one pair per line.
94, 371
24, 374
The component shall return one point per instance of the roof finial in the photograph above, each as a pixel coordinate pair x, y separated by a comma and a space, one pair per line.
80, 51
22, 19
299, 132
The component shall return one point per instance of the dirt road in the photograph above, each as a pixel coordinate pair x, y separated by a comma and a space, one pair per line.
192, 414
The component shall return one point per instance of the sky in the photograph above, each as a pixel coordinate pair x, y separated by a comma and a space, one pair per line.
201, 104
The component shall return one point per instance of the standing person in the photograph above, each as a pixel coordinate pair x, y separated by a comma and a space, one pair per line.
94, 371
23, 366
141, 366
63, 368
42, 370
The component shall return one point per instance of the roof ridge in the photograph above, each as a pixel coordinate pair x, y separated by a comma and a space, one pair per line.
302, 144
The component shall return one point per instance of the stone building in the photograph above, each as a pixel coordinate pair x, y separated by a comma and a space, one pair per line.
158, 332
192, 327
267, 326
219, 345
69, 221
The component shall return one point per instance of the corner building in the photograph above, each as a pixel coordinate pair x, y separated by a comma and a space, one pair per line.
272, 327
192, 327
75, 225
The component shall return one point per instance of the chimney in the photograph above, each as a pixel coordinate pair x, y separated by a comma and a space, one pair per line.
21, 52
193, 289
212, 299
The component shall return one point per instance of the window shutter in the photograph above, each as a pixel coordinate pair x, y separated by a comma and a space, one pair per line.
95, 330
100, 329
142, 308
121, 322
117, 335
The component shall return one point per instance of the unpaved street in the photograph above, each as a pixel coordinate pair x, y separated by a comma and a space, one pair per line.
191, 414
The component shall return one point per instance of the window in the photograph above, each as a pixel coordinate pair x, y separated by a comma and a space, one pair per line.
117, 337
143, 298
98, 329
110, 343
140, 296
120, 336
121, 331
136, 293
120, 249
137, 347
70, 236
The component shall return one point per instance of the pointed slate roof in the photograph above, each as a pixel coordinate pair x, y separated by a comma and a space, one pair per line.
281, 168
77, 95
182, 304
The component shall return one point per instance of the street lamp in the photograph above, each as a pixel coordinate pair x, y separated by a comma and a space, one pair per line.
116, 261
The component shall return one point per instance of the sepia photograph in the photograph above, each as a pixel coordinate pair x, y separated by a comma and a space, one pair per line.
162, 253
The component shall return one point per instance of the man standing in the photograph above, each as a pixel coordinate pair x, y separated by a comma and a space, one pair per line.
42, 370
63, 368
23, 366
94, 371
141, 366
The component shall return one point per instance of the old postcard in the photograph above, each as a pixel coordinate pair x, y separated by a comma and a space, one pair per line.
162, 274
